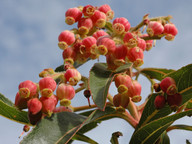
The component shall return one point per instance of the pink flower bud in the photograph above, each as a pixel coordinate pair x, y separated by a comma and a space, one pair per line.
170, 31
134, 91
48, 104
174, 101
27, 89
88, 45
141, 43
149, 43
121, 25
69, 55
99, 34
47, 86
66, 38
122, 82
99, 19
72, 76
107, 10
21, 102
72, 15
155, 28
84, 25
65, 91
168, 86
34, 105
135, 55
130, 40
105, 46
120, 54
88, 10
159, 102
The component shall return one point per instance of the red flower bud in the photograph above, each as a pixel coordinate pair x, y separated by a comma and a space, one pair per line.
120, 54
117, 100
155, 28
27, 89
170, 31
69, 55
26, 128
34, 118
122, 82
47, 86
134, 91
72, 15
99, 19
65, 39
141, 44
107, 10
84, 25
121, 25
159, 102
99, 34
88, 10
65, 91
135, 55
21, 102
34, 105
72, 76
121, 100
105, 46
149, 43
130, 40
168, 86
88, 45
174, 101
48, 104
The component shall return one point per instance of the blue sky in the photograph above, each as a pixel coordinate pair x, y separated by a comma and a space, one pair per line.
28, 44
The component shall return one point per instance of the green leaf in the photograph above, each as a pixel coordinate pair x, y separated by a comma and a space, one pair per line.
156, 73
164, 138
100, 79
84, 138
61, 127
180, 127
6, 100
115, 136
150, 132
150, 113
8, 110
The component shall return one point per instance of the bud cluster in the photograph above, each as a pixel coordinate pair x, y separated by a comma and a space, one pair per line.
169, 96
96, 35
39, 97
128, 89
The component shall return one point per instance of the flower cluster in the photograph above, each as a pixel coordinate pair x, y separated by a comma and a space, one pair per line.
119, 42
128, 89
97, 33
170, 94
45, 104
